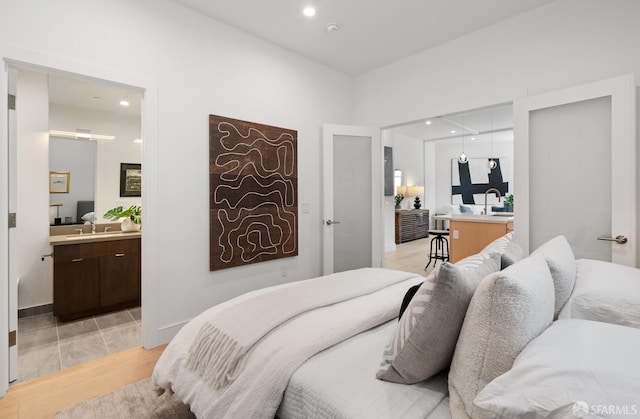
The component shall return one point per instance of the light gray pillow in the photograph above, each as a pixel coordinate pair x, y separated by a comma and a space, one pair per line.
499, 245
562, 264
508, 310
512, 254
427, 332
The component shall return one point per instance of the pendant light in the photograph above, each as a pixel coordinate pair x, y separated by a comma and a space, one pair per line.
492, 163
462, 158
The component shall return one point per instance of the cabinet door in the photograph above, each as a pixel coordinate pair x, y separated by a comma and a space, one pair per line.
119, 278
76, 286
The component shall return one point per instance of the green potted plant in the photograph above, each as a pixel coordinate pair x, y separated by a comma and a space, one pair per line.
131, 217
399, 197
508, 203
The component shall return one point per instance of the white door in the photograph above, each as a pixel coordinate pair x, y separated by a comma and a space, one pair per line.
575, 169
352, 194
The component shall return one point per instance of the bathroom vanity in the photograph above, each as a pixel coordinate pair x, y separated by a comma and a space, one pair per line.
95, 273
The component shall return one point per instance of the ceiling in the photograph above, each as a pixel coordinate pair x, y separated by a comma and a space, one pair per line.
91, 95
372, 33
495, 123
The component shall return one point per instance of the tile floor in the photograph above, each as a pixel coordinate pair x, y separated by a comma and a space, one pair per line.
46, 345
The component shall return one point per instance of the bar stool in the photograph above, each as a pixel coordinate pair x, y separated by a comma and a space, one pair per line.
440, 241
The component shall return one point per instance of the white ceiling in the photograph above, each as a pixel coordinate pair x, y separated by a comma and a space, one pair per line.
92, 95
372, 32
479, 125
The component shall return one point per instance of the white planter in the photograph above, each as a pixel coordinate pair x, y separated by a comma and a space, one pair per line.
129, 226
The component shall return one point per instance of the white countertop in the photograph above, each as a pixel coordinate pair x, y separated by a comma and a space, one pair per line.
92, 237
497, 217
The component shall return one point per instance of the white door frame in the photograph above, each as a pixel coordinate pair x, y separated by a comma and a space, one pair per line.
377, 191
622, 91
18, 57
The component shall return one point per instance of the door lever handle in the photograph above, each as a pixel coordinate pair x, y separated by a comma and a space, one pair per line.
329, 222
621, 239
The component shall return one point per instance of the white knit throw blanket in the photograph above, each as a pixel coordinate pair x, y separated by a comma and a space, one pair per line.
220, 349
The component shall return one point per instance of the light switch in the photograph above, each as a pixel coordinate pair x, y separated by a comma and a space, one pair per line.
305, 208
456, 234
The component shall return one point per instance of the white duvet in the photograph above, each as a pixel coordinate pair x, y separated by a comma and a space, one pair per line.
257, 392
605, 292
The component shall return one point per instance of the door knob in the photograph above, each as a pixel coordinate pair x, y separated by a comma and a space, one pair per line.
329, 222
621, 239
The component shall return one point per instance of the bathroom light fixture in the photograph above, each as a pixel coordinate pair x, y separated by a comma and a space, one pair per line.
124, 102
309, 11
80, 135
492, 163
138, 140
462, 158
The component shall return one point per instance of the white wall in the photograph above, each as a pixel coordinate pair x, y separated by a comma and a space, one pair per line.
562, 44
407, 157
109, 153
79, 159
32, 232
201, 67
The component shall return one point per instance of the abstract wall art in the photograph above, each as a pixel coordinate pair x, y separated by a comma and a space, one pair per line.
253, 192
470, 180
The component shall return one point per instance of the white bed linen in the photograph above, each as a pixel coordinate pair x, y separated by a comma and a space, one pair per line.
257, 392
340, 383
605, 292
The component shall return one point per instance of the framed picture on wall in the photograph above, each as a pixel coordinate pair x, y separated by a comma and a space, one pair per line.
130, 179
59, 182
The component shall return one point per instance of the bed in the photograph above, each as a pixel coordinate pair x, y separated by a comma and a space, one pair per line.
479, 339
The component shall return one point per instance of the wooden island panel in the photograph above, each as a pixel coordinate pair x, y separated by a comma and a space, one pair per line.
473, 236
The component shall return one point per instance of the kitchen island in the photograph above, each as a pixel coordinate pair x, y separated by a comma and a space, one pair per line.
470, 233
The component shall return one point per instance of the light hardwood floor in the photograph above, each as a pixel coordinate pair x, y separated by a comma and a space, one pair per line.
410, 257
45, 396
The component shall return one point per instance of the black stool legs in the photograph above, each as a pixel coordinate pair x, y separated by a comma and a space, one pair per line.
440, 242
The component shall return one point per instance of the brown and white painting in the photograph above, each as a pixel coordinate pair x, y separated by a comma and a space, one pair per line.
253, 192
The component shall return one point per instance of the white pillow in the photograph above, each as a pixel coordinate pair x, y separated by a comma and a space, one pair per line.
574, 369
508, 310
562, 264
605, 292
90, 216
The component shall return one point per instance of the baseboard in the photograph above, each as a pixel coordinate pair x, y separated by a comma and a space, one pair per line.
165, 334
35, 310
389, 247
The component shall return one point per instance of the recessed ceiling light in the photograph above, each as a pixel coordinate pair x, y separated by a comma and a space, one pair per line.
309, 11
453, 131
473, 138
124, 102
428, 122
138, 140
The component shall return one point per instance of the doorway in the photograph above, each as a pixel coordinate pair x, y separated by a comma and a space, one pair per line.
42, 62
89, 133
424, 156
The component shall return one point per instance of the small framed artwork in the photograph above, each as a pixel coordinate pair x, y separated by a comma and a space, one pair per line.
59, 182
130, 179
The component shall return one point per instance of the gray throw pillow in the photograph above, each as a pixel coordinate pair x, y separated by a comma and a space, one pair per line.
508, 310
464, 208
426, 334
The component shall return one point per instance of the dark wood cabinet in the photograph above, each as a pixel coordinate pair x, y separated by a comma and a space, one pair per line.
411, 225
94, 278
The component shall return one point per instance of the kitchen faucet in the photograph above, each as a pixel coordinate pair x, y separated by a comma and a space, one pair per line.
485, 198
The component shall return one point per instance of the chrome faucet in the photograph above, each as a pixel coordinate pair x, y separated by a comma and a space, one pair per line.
485, 198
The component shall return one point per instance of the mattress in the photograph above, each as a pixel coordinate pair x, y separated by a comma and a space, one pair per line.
340, 382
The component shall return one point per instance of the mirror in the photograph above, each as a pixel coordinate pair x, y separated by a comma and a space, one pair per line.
91, 134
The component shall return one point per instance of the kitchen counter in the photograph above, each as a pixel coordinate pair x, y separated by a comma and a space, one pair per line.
64, 239
498, 217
